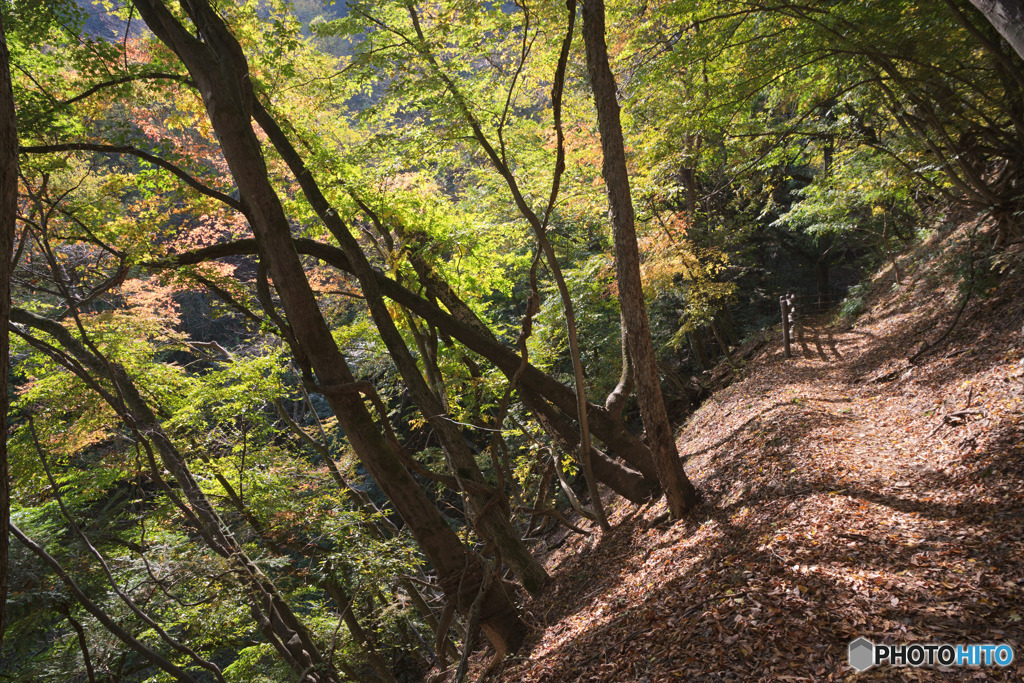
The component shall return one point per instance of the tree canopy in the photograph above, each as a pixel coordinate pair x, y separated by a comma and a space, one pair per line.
320, 314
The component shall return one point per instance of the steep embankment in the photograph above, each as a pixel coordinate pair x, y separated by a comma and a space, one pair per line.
848, 493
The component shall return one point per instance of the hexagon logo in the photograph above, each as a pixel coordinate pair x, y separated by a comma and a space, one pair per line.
862, 654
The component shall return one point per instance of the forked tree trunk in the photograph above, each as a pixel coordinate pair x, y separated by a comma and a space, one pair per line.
218, 66
679, 492
620, 479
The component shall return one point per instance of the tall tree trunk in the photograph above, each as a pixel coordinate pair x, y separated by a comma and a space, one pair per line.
8, 211
538, 225
679, 492
486, 510
219, 68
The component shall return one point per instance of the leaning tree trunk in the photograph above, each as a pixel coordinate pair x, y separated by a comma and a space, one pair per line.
279, 624
490, 520
219, 68
679, 492
624, 481
8, 211
1007, 16
464, 327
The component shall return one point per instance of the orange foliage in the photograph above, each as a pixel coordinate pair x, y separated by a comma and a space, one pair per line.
664, 252
211, 229
150, 299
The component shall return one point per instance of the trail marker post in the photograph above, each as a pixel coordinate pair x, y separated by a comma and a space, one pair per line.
795, 319
784, 305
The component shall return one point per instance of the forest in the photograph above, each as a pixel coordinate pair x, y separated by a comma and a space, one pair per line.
529, 341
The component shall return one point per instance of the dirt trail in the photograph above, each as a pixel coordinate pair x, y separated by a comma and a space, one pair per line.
847, 493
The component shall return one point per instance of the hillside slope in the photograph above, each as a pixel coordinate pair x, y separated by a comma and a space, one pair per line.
847, 493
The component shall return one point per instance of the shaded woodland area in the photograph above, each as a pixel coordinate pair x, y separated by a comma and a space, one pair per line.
396, 341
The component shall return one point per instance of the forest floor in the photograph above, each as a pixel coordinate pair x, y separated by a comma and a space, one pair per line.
847, 492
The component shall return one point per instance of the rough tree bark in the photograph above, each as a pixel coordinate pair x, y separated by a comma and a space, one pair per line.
679, 492
219, 68
1007, 16
8, 210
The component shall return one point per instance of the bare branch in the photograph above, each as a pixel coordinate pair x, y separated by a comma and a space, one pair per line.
93, 609
145, 156
126, 79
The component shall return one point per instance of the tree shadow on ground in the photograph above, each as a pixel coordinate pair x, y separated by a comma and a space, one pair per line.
979, 336
795, 551
769, 597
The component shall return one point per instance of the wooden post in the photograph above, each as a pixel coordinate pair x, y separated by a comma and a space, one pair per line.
796, 320
784, 305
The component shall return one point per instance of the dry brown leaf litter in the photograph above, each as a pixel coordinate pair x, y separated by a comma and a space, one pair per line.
837, 504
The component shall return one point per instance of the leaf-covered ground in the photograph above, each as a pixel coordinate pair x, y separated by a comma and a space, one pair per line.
847, 493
